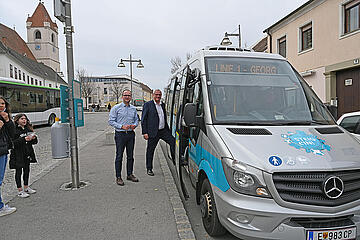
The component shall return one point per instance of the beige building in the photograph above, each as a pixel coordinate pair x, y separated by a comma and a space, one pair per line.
147, 92
321, 39
108, 89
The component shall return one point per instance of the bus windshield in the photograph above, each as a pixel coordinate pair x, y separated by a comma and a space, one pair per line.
252, 91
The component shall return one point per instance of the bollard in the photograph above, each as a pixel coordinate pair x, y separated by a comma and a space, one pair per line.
60, 133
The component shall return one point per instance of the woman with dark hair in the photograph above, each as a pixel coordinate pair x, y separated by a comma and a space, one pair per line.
23, 153
6, 134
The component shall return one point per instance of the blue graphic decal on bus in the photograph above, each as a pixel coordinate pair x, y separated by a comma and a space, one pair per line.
275, 161
310, 143
210, 164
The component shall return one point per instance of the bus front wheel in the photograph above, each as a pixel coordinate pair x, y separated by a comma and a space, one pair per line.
208, 209
51, 120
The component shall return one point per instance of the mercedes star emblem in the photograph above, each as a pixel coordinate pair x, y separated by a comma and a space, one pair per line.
333, 187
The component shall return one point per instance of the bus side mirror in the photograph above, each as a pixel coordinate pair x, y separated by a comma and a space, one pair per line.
333, 110
190, 114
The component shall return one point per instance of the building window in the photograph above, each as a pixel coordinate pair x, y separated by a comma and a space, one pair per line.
105, 91
52, 38
306, 37
15, 70
28, 80
40, 83
282, 46
11, 71
19, 74
40, 98
24, 76
37, 35
49, 84
352, 16
36, 81
32, 81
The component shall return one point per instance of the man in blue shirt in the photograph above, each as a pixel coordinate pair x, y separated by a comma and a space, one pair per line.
123, 117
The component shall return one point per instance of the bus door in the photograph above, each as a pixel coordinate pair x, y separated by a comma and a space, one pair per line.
193, 148
186, 139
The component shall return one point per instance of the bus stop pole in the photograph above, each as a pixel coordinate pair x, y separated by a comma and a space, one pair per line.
70, 71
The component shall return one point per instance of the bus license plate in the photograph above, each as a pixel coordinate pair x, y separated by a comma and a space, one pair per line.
331, 234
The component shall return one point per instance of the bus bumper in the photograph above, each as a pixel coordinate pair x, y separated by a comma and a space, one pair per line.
252, 218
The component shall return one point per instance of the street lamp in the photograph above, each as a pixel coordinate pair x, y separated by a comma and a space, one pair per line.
226, 41
130, 60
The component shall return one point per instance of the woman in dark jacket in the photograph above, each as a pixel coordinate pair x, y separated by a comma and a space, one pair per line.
6, 133
23, 153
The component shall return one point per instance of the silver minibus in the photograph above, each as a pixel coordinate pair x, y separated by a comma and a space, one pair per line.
263, 152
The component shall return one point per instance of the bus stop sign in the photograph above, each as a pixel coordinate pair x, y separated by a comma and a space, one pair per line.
64, 103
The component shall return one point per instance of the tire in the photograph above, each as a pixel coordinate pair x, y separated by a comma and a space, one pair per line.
51, 120
209, 214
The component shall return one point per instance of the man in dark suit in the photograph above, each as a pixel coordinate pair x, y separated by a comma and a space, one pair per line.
155, 127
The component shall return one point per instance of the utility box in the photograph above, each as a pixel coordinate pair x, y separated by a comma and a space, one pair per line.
60, 140
59, 10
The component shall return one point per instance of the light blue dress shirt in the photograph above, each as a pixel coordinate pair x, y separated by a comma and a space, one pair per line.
121, 115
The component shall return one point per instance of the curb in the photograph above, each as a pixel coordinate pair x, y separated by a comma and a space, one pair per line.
182, 222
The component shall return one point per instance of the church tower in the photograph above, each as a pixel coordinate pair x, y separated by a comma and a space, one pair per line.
42, 37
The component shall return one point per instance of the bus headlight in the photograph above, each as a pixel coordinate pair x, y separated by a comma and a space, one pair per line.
243, 178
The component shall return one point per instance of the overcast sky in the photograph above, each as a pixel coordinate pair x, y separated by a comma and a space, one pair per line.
153, 31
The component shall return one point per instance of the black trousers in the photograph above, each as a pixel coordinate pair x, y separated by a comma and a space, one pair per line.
124, 140
18, 173
165, 135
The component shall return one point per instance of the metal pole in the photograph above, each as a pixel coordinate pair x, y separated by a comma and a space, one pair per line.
70, 71
131, 78
239, 38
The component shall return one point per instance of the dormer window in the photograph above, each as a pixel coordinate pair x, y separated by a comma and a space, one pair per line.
37, 35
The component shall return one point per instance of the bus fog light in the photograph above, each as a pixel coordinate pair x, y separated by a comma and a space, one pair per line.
262, 191
244, 219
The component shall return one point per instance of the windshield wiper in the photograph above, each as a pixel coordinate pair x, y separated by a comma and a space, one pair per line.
273, 123
253, 123
312, 122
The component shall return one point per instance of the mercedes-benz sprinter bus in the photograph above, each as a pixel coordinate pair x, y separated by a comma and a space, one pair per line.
263, 152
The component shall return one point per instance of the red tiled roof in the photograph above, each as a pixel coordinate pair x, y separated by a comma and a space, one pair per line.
11, 39
40, 16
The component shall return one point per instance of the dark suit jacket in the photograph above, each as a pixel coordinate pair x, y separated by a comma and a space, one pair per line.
150, 119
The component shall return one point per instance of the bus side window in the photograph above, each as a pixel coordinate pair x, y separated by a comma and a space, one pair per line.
197, 98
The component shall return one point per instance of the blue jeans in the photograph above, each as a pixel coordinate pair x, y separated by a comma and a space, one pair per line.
124, 140
3, 161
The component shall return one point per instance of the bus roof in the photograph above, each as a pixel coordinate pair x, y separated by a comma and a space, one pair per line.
234, 52
17, 82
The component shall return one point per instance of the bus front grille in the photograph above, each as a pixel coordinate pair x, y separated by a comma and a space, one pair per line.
309, 187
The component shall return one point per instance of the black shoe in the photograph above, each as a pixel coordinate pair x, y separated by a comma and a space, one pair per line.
150, 172
119, 181
132, 178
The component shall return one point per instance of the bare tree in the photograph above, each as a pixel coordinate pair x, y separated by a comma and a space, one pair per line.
116, 89
87, 86
176, 62
188, 56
